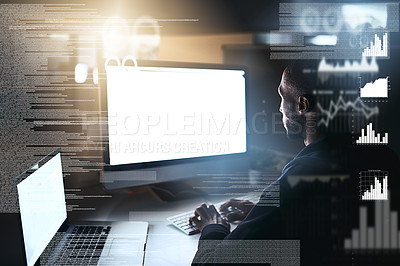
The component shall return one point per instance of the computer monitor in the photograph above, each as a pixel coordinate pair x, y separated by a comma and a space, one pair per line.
42, 204
172, 120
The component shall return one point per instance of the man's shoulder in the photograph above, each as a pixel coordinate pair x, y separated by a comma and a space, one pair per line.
323, 156
338, 154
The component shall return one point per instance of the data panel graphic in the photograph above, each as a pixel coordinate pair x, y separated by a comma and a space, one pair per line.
378, 47
369, 136
374, 185
375, 89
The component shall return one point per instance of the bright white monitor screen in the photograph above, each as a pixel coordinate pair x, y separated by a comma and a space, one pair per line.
157, 114
42, 207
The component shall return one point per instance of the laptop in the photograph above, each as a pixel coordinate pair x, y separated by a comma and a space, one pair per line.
47, 235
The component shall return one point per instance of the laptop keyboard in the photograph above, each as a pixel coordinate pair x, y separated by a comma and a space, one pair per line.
84, 245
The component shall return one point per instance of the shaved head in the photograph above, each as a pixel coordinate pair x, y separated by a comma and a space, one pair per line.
297, 81
297, 100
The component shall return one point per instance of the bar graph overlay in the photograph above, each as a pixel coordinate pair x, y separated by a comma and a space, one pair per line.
369, 136
375, 89
374, 185
384, 235
377, 48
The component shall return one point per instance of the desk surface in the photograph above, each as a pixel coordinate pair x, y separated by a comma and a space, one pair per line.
166, 245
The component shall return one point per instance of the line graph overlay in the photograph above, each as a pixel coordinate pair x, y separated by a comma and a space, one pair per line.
343, 105
348, 66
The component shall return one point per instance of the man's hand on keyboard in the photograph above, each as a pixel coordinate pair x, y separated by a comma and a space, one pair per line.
236, 210
205, 215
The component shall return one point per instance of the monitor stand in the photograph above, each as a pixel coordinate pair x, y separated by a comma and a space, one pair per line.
175, 190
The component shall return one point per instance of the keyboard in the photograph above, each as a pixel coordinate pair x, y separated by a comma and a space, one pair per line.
84, 245
181, 221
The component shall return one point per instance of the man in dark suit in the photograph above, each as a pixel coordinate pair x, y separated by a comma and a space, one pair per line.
319, 197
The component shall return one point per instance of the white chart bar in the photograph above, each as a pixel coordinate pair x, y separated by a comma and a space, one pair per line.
393, 230
378, 224
398, 237
386, 224
371, 238
363, 227
355, 238
347, 243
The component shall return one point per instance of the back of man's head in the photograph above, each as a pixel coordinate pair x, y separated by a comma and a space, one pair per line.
301, 79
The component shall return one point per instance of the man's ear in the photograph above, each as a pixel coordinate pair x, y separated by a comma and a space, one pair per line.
303, 105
